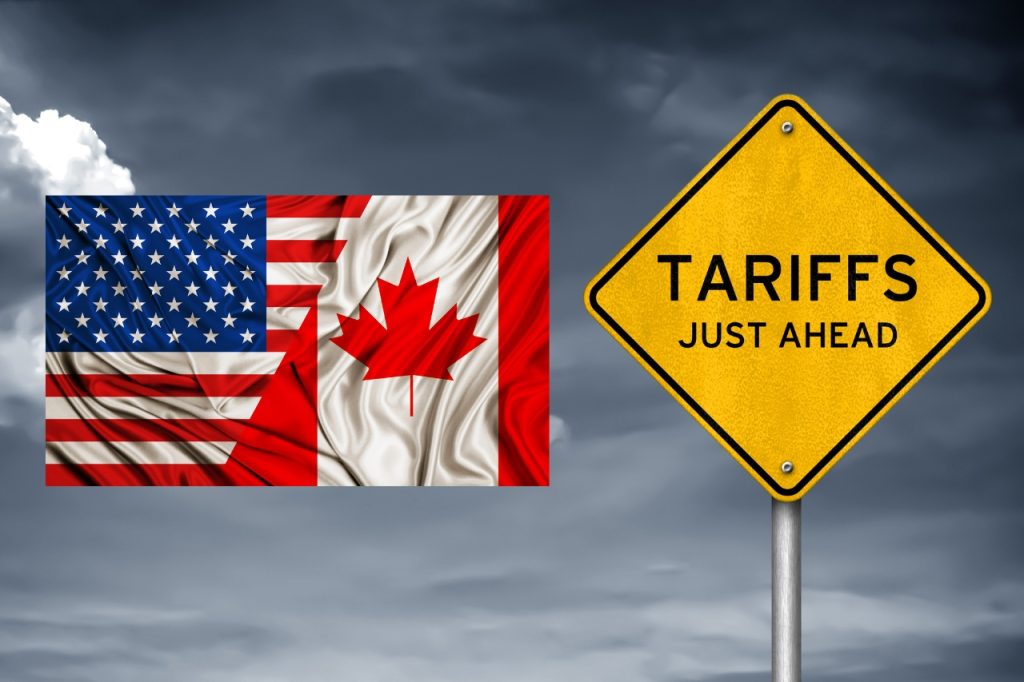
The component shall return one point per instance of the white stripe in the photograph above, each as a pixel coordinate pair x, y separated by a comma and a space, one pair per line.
146, 452
286, 318
162, 363
301, 273
137, 407
306, 228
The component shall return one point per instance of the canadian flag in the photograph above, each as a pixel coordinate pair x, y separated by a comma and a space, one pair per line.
405, 343
432, 358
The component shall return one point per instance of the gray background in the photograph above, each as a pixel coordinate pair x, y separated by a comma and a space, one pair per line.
648, 557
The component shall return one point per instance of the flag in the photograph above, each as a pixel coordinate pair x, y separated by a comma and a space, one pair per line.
296, 340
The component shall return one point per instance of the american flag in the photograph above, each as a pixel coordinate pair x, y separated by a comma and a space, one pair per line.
163, 336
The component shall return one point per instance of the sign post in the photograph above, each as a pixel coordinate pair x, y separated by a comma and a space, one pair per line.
785, 591
787, 297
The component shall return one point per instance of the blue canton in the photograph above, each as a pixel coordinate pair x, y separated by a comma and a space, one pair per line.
126, 273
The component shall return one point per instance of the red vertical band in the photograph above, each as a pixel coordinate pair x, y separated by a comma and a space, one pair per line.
523, 366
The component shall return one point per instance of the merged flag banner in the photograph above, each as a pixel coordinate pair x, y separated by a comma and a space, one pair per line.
297, 340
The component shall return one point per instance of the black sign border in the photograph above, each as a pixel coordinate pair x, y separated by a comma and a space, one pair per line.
888, 397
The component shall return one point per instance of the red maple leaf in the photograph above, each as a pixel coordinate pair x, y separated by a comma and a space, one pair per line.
408, 346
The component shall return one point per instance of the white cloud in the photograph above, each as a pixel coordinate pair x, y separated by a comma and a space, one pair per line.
558, 430
50, 154
62, 154
21, 349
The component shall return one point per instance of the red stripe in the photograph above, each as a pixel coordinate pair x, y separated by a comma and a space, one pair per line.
142, 474
280, 340
523, 390
304, 250
143, 429
316, 206
161, 474
174, 385
292, 295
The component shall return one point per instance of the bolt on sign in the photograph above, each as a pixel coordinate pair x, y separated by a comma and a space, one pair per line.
787, 297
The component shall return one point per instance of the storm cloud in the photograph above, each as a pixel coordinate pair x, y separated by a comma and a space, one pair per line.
648, 558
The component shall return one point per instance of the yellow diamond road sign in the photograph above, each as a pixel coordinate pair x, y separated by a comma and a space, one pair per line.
787, 297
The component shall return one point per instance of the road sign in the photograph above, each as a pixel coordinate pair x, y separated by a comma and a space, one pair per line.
787, 297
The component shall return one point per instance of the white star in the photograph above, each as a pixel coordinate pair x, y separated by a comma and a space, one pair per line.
136, 274
137, 304
229, 321
210, 273
64, 273
173, 273
119, 226
119, 289
64, 336
64, 209
64, 241
211, 210
155, 257
155, 320
192, 258
211, 242
101, 242
247, 336
230, 257
247, 210
211, 336
64, 304
248, 273
210, 304
174, 304
192, 225
247, 242
82, 257
173, 211
173, 336
101, 336
100, 273
138, 210
137, 242
101, 305
82, 289
192, 320
119, 320
82, 320
247, 304
229, 289
81, 225
100, 211
155, 226
173, 241
229, 226
119, 257
137, 336
155, 289
192, 289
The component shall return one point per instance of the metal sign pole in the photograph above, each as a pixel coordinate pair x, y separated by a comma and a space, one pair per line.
785, 591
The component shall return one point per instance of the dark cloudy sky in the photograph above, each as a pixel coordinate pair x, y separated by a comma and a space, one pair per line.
648, 558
